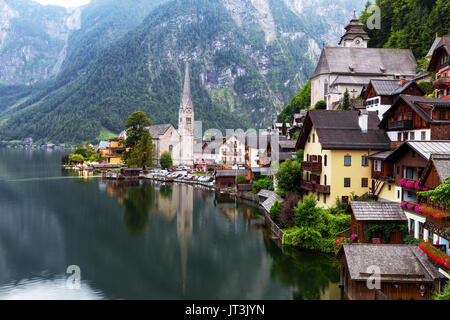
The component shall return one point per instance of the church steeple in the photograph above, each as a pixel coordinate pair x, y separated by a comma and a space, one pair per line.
355, 36
186, 102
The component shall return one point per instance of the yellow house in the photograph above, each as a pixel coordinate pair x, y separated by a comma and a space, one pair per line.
336, 148
112, 150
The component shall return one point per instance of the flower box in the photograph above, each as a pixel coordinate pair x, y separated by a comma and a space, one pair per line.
435, 254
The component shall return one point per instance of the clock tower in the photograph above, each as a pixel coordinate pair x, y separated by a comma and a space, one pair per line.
355, 36
186, 121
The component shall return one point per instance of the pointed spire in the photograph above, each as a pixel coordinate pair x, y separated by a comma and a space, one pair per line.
354, 14
186, 98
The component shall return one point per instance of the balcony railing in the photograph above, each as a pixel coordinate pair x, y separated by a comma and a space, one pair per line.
382, 176
400, 125
310, 186
441, 83
312, 166
442, 223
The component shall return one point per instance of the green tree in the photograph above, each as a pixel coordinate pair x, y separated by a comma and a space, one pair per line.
346, 104
135, 128
289, 176
320, 105
74, 158
142, 155
166, 160
307, 214
440, 194
241, 179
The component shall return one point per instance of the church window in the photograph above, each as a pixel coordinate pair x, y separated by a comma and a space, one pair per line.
188, 120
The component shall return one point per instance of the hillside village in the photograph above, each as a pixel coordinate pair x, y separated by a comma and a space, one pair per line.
378, 152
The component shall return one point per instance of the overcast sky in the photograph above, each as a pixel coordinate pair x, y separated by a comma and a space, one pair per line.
64, 3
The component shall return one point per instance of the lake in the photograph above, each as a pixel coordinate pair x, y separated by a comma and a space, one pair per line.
140, 240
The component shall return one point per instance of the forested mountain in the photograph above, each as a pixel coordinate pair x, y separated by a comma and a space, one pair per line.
409, 24
247, 57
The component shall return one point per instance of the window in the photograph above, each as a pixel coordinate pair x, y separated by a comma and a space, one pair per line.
325, 160
409, 173
399, 136
318, 197
448, 91
413, 154
377, 165
364, 182
324, 198
405, 136
314, 138
325, 179
389, 187
347, 161
347, 182
364, 161
422, 135
309, 138
411, 136
188, 120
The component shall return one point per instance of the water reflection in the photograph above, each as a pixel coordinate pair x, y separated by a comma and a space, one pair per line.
313, 275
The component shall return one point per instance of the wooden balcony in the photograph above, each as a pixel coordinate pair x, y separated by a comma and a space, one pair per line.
312, 166
441, 83
437, 226
305, 185
311, 186
382, 176
400, 125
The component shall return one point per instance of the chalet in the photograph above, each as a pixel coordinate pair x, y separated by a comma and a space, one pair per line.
408, 164
405, 272
414, 118
336, 146
440, 64
280, 127
299, 118
352, 65
370, 213
232, 151
379, 95
112, 150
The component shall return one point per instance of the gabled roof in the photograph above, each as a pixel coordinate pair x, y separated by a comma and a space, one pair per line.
230, 173
383, 155
441, 163
366, 61
391, 87
377, 211
269, 198
424, 148
399, 263
338, 129
103, 145
442, 46
287, 144
421, 105
158, 130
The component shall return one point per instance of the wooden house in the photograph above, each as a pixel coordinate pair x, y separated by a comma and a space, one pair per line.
367, 213
440, 64
414, 118
227, 178
380, 94
405, 272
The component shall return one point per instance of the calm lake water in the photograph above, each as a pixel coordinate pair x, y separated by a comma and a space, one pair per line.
140, 240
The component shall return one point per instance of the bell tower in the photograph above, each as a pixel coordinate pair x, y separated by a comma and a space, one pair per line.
186, 121
355, 36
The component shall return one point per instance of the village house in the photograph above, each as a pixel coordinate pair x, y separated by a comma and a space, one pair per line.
405, 272
440, 64
415, 118
336, 148
381, 94
365, 214
227, 178
404, 167
352, 65
112, 150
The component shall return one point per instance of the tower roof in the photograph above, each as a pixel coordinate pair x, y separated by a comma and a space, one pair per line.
354, 29
186, 101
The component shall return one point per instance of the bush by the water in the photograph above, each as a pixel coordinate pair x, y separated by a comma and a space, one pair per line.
262, 184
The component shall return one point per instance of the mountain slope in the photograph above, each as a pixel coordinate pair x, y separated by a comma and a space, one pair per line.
248, 58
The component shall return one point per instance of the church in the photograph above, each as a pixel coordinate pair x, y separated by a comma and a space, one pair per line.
352, 65
180, 143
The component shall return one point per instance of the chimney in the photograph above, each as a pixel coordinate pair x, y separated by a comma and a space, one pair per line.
402, 82
363, 121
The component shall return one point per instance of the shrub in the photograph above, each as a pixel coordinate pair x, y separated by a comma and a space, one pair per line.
274, 211
307, 214
166, 160
262, 184
286, 216
241, 179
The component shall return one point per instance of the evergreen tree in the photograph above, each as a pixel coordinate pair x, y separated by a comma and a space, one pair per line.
142, 155
346, 104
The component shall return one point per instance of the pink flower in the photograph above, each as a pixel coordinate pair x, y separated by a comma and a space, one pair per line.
409, 206
416, 186
402, 182
409, 184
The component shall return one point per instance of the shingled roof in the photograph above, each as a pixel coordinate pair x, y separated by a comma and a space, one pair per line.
399, 263
338, 129
441, 163
442, 46
388, 87
423, 148
268, 198
377, 211
366, 61
158, 130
